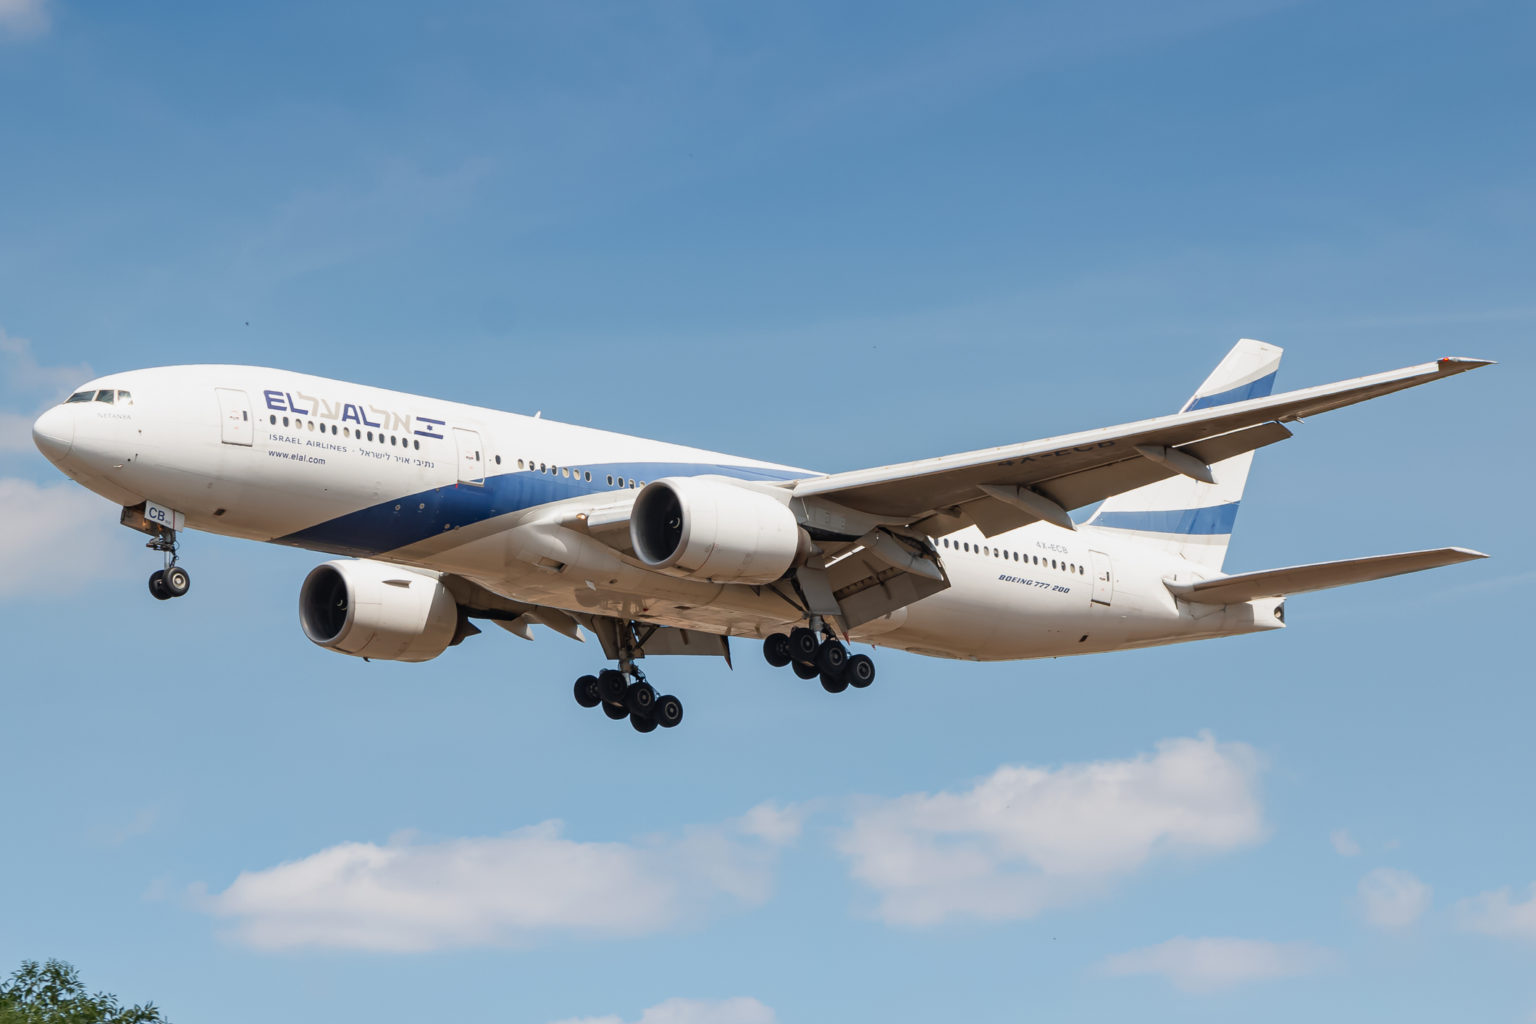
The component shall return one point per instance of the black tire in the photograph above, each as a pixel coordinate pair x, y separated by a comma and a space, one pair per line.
640, 699
615, 711
611, 685
157, 585
177, 582
860, 671
834, 683
805, 671
642, 724
832, 658
803, 645
586, 692
669, 711
776, 650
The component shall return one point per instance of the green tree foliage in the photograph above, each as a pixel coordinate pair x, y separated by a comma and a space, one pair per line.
51, 993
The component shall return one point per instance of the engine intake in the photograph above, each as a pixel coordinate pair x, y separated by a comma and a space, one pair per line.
709, 529
374, 610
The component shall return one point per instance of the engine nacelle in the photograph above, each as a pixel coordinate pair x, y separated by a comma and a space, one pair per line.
375, 610
712, 530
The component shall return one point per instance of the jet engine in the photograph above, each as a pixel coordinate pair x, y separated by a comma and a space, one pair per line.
701, 528
375, 610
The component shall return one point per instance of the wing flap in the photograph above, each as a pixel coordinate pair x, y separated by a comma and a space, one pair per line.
1299, 579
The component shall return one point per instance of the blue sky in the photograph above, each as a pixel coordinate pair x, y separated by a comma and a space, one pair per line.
834, 235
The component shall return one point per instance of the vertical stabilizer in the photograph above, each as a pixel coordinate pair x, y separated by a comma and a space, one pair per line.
1188, 517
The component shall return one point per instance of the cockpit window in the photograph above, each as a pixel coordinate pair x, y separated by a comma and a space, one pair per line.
80, 396
124, 398
106, 395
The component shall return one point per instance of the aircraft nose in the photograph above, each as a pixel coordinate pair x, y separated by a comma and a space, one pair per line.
54, 432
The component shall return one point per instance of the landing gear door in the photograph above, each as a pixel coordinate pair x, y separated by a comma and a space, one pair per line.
1103, 578
235, 424
471, 458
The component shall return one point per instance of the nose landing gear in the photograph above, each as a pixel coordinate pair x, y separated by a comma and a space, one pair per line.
825, 659
173, 580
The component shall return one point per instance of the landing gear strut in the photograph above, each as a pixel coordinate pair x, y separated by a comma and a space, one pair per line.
823, 657
173, 580
624, 692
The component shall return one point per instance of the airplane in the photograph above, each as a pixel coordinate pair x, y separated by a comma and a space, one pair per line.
448, 514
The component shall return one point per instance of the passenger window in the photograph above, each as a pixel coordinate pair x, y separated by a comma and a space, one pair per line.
519, 463
273, 418
370, 435
106, 396
124, 398
588, 475
80, 396
631, 485
610, 479
285, 421
346, 431
565, 473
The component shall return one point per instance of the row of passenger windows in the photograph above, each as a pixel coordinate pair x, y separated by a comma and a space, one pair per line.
107, 395
572, 474
988, 551
394, 439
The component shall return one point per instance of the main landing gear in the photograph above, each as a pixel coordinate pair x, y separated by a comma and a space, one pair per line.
812, 657
624, 693
173, 580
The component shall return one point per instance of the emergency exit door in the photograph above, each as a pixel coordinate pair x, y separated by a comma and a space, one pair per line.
235, 426
471, 460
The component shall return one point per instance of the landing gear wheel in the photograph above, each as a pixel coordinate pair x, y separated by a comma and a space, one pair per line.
776, 650
805, 671
615, 711
669, 711
177, 582
834, 683
640, 699
803, 644
860, 671
642, 724
831, 658
586, 692
610, 686
157, 585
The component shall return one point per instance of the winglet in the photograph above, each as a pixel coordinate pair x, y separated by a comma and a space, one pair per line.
1461, 364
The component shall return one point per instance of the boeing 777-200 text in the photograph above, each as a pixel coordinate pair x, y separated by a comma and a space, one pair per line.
451, 514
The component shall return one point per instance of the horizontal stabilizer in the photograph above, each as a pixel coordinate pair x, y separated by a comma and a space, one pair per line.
1298, 579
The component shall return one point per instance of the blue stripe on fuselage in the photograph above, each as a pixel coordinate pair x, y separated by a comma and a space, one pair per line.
1260, 388
1217, 519
415, 517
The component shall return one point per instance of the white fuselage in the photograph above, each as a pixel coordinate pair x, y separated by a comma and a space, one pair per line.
289, 458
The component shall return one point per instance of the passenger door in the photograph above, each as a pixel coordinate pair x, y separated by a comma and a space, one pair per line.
471, 459
1103, 578
235, 426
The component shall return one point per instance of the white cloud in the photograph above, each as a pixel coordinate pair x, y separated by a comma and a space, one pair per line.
1343, 843
772, 823
15, 433
1210, 965
740, 1010
24, 18
1393, 899
513, 889
24, 375
1496, 913
59, 538
1024, 839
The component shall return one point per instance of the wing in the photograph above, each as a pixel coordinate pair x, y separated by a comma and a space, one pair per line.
1298, 579
1000, 489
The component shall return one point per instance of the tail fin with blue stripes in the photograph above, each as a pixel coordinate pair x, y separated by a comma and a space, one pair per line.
1185, 516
